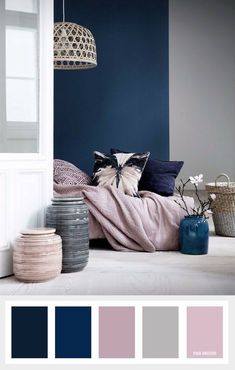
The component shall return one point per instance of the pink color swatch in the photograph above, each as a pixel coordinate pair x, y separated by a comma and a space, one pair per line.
116, 332
204, 332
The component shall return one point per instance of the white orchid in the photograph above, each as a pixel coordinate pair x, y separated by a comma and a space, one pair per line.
204, 207
212, 196
196, 179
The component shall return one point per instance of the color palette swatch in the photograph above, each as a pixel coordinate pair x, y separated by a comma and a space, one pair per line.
29, 332
116, 332
73, 332
160, 332
205, 332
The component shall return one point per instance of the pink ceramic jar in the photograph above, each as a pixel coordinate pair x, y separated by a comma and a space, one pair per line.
37, 255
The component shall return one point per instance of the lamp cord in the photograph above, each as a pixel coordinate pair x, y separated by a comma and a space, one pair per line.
63, 12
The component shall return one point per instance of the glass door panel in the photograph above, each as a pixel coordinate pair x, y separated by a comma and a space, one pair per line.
19, 74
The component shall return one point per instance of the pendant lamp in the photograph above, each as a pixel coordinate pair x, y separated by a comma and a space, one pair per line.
74, 46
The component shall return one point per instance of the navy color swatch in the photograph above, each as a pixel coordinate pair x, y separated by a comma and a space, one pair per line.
29, 332
124, 101
73, 332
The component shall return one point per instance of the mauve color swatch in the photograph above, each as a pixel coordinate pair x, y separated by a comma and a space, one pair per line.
29, 332
160, 332
73, 332
205, 332
116, 332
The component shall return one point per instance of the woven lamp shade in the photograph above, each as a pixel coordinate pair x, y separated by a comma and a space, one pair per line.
74, 47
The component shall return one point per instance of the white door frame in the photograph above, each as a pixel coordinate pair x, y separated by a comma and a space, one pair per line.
26, 179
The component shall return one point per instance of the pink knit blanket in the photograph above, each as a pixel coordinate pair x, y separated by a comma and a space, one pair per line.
149, 223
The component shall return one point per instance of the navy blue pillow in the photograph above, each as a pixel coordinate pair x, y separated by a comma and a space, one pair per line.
158, 176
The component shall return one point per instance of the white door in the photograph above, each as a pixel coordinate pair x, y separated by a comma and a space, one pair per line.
26, 119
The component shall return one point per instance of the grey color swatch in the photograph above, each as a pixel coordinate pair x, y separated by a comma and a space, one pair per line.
160, 332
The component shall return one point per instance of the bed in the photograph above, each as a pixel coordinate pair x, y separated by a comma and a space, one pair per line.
121, 264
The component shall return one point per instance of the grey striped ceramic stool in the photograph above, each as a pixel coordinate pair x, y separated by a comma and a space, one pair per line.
70, 218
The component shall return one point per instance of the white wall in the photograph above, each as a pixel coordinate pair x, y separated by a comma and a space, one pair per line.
202, 86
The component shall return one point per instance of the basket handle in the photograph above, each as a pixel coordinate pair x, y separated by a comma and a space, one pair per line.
223, 175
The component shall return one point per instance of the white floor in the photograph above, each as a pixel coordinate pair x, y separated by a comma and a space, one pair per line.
137, 273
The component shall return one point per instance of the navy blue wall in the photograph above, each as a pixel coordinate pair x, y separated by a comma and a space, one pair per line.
123, 102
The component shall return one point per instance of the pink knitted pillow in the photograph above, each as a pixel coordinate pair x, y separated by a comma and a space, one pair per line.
66, 173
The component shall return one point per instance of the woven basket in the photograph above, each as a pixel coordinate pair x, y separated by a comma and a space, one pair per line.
223, 205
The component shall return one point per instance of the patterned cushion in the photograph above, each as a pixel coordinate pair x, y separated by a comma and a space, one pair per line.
158, 176
66, 173
121, 170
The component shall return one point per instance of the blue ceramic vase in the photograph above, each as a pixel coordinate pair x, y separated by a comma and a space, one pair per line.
194, 235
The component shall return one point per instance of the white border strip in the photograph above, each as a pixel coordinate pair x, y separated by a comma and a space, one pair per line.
51, 332
182, 305
183, 332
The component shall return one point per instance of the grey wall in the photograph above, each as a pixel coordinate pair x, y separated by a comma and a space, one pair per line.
202, 86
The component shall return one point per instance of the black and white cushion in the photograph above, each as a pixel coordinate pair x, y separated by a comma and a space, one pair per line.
121, 170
